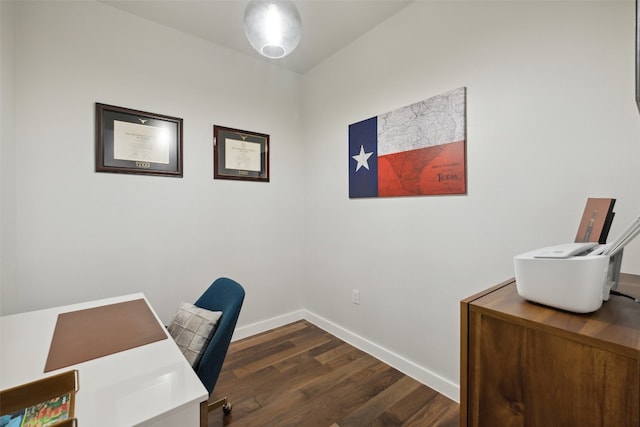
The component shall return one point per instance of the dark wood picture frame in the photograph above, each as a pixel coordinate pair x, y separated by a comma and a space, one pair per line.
137, 142
240, 154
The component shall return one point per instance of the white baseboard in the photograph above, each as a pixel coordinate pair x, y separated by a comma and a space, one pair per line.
426, 377
265, 325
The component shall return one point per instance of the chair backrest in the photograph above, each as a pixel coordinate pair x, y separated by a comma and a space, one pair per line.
227, 296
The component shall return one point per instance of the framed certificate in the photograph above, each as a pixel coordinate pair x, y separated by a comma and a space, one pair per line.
240, 154
131, 141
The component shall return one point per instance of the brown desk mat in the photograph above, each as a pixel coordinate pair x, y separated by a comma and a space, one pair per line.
95, 332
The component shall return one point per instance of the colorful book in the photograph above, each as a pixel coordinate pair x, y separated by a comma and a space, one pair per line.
45, 414
46, 402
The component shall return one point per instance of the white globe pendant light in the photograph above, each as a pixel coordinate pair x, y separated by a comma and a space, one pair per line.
273, 27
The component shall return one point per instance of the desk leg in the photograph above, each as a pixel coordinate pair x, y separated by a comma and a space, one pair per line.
204, 413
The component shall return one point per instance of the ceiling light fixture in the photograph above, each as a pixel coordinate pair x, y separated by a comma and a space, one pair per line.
273, 27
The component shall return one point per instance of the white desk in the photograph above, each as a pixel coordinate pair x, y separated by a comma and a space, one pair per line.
150, 385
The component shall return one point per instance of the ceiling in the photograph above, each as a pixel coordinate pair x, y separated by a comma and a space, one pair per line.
327, 25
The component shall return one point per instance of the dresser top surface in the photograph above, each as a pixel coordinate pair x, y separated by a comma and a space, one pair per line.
616, 322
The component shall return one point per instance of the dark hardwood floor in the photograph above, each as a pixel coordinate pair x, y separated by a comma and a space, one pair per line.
300, 375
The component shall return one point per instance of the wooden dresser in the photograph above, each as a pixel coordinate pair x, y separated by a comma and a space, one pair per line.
524, 364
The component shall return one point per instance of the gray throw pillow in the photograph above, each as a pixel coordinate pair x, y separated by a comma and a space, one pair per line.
192, 328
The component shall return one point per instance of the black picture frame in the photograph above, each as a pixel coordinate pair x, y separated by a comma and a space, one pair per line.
240, 154
137, 142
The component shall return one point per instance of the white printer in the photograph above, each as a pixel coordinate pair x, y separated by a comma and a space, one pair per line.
575, 277
568, 276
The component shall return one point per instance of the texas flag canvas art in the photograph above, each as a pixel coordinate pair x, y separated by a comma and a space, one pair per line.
416, 150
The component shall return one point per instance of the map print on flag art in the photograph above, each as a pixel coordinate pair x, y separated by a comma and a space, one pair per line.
416, 150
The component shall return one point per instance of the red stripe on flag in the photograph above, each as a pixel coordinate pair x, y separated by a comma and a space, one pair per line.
427, 171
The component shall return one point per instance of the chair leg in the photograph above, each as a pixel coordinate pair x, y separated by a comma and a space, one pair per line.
224, 402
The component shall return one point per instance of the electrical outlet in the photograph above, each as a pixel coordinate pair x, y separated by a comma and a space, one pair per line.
356, 297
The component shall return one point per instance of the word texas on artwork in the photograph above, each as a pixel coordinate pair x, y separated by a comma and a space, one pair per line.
416, 150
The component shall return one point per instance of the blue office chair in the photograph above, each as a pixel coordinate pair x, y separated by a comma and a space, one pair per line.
227, 296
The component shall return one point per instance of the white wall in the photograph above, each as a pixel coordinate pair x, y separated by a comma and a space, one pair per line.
82, 235
7, 146
551, 121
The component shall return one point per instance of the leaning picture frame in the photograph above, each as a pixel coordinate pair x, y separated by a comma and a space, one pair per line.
137, 142
240, 154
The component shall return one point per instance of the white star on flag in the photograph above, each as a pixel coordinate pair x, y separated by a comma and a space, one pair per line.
362, 159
